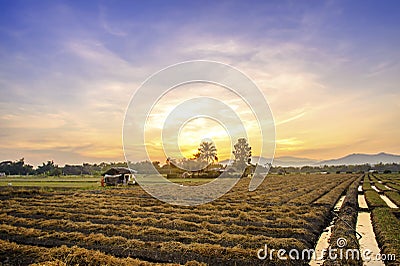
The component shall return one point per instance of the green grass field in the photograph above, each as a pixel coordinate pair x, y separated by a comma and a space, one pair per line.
84, 182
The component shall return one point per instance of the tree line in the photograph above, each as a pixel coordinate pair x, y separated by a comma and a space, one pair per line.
205, 160
49, 168
19, 167
331, 169
206, 157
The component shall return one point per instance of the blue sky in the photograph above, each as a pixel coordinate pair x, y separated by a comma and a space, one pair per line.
328, 68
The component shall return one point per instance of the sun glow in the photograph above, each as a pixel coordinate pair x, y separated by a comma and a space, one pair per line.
203, 129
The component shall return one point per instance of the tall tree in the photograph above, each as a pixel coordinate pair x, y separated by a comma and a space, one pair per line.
16, 168
207, 152
48, 169
242, 152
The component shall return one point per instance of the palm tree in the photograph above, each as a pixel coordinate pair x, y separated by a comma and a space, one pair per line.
207, 152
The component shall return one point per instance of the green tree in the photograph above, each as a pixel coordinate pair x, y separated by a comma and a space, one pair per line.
207, 152
16, 168
242, 153
156, 165
48, 169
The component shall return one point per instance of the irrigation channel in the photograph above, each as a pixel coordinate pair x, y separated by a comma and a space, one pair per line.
389, 188
364, 228
364, 225
323, 241
389, 203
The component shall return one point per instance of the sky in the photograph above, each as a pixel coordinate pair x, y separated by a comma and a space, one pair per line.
329, 70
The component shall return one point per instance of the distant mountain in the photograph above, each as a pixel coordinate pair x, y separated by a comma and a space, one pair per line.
286, 161
355, 158
359, 158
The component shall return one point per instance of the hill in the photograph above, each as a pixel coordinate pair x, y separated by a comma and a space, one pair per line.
360, 158
351, 159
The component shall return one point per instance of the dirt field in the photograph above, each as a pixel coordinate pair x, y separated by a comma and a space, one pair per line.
129, 227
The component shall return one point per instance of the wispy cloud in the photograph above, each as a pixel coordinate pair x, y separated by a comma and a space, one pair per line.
107, 25
287, 120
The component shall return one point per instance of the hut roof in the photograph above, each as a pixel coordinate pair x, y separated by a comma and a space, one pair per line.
119, 171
